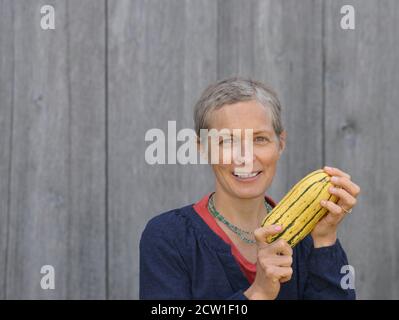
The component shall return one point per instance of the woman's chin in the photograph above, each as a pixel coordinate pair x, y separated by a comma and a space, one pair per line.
247, 191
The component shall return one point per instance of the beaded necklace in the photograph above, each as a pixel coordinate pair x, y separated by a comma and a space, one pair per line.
243, 234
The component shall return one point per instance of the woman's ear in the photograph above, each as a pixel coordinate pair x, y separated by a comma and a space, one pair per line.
282, 142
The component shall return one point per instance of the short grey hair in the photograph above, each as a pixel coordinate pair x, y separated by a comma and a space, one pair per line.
233, 90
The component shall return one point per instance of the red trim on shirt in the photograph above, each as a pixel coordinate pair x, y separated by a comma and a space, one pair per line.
248, 268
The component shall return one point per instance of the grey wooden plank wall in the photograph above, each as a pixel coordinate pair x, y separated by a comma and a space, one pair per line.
53, 150
76, 102
361, 136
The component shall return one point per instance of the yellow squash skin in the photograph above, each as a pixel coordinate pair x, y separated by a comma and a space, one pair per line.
300, 210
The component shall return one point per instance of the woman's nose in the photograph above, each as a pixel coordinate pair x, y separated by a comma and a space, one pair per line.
243, 154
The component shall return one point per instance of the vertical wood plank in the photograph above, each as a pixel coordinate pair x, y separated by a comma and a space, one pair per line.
6, 104
362, 81
87, 158
279, 43
162, 54
200, 70
57, 212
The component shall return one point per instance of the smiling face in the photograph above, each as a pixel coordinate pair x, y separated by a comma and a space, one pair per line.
262, 161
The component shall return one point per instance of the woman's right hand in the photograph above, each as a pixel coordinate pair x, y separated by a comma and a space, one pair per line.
273, 265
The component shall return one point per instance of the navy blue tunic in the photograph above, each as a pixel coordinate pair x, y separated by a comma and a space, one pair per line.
182, 258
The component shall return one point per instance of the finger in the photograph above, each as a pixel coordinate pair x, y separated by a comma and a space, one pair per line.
336, 172
280, 261
275, 273
287, 275
335, 211
345, 199
261, 234
333, 219
284, 274
286, 278
281, 247
347, 184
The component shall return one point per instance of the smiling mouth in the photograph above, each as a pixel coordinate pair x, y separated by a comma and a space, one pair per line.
246, 176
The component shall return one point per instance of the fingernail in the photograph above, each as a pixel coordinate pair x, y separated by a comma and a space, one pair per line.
277, 228
323, 202
328, 168
334, 179
332, 189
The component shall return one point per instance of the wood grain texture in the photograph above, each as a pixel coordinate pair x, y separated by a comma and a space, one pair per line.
6, 104
57, 212
362, 81
161, 55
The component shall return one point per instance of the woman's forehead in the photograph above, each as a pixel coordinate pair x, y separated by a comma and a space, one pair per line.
242, 115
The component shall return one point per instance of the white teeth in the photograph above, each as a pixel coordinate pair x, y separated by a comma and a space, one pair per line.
245, 175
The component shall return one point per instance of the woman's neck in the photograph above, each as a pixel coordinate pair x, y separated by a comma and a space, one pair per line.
244, 213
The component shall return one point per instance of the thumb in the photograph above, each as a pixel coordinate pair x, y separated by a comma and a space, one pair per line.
261, 234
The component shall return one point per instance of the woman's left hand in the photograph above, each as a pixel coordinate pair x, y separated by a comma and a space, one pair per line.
325, 232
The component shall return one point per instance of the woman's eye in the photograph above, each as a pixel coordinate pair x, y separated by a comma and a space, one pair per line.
261, 139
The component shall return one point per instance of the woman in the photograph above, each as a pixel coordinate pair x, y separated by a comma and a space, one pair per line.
215, 249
